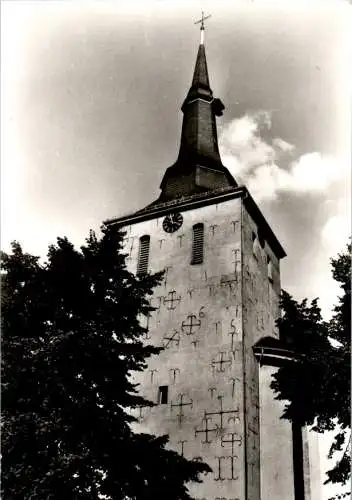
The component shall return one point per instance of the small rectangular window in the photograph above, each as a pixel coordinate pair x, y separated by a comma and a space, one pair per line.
143, 255
163, 394
197, 244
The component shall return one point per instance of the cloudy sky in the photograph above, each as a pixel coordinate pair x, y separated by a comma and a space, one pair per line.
91, 96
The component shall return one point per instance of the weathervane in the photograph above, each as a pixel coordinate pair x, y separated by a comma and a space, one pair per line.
201, 21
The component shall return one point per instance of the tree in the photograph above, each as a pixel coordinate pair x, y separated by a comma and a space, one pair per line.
317, 385
71, 337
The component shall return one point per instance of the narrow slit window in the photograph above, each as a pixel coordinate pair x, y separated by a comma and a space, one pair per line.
163, 395
198, 244
143, 255
255, 243
270, 269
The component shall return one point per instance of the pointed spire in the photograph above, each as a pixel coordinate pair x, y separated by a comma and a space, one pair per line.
200, 75
198, 167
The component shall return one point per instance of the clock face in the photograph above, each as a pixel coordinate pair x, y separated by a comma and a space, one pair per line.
172, 222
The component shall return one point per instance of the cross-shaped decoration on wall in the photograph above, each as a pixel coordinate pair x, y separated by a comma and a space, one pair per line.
217, 323
230, 283
171, 339
182, 443
206, 430
192, 325
180, 405
235, 224
174, 371
236, 255
159, 299
219, 476
223, 412
213, 227
236, 352
232, 441
220, 362
152, 374
234, 381
180, 236
166, 274
172, 300
212, 389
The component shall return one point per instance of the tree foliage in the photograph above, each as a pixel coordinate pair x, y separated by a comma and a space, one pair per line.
71, 337
317, 386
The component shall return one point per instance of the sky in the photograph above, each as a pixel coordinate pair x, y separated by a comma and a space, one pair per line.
91, 95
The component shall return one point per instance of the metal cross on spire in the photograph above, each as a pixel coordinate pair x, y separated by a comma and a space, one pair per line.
201, 21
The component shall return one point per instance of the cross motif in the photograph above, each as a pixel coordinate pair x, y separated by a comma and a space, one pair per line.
236, 255
217, 323
174, 372
166, 270
180, 405
194, 323
180, 236
234, 380
232, 441
182, 443
160, 299
237, 350
152, 375
219, 477
232, 459
230, 283
219, 472
220, 362
213, 227
171, 300
234, 223
205, 431
222, 412
211, 389
201, 21
172, 338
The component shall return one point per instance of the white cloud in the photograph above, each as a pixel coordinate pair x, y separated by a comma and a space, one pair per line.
269, 166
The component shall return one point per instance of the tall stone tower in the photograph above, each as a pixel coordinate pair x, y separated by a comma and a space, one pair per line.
215, 316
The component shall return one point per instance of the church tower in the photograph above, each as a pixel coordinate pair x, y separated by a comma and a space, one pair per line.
215, 317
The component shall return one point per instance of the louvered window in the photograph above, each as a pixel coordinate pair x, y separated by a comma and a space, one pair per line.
143, 255
197, 244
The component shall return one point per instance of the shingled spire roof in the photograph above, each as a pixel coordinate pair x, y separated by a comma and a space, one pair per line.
198, 167
200, 75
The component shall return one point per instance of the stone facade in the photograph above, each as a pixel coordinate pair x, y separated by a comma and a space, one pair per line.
207, 317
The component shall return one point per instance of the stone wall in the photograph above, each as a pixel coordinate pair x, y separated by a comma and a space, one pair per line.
207, 317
